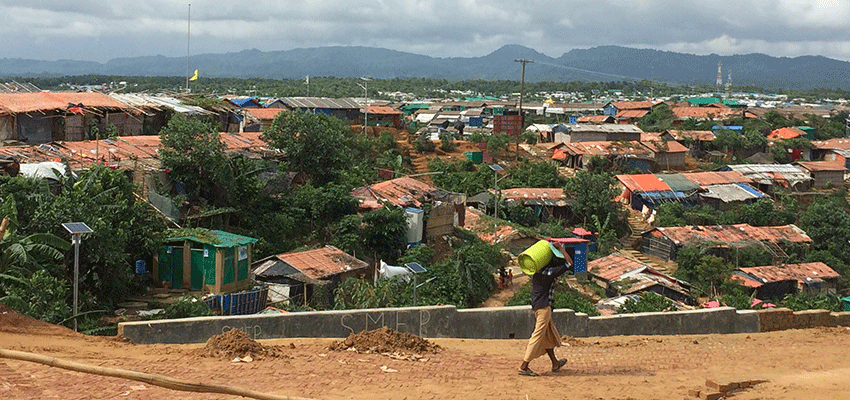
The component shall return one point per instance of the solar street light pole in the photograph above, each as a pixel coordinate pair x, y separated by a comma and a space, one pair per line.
76, 229
76, 238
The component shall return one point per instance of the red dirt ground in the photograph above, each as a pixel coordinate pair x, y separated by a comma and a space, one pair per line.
796, 364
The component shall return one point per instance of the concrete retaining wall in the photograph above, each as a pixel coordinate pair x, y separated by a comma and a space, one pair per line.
777, 319
440, 322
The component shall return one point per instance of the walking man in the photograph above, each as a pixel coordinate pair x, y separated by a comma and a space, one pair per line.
545, 337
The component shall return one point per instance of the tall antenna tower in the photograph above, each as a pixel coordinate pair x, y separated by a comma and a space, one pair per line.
728, 83
719, 76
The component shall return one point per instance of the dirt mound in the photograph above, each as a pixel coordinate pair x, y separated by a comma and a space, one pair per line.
235, 344
13, 322
386, 341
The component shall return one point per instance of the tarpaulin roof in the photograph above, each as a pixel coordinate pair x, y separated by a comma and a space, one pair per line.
14, 103
733, 192
643, 183
383, 110
265, 114
786, 133
678, 182
223, 239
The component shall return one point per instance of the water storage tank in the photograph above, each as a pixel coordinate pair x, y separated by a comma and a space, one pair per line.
415, 224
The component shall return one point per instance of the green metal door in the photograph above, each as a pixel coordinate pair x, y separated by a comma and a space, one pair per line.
177, 267
197, 272
164, 265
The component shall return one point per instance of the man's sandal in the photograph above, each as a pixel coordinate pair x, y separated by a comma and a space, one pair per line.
527, 372
559, 365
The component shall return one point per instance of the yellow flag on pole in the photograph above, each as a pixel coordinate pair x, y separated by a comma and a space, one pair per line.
195, 76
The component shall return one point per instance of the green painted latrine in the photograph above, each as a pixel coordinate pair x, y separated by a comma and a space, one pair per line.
217, 262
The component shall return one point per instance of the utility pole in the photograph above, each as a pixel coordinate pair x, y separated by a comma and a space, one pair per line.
521, 91
365, 87
188, 37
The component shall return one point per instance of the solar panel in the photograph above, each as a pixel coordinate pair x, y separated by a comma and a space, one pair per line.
76, 228
496, 167
415, 268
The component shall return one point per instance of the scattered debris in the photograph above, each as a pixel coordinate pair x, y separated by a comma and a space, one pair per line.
722, 388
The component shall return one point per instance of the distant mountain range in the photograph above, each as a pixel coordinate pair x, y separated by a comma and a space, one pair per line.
604, 63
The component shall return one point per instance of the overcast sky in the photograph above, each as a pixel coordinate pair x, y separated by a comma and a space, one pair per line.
95, 30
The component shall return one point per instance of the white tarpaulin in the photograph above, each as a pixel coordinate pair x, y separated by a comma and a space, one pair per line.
46, 170
388, 271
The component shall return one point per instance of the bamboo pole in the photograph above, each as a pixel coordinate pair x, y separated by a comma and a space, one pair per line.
152, 379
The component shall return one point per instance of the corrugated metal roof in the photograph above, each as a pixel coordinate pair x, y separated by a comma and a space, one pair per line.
402, 191
632, 105
815, 166
141, 101
605, 128
323, 262
14, 103
596, 119
611, 267
660, 146
708, 178
533, 193
838, 143
632, 113
601, 148
81, 153
688, 235
745, 279
321, 103
702, 112
803, 273
769, 173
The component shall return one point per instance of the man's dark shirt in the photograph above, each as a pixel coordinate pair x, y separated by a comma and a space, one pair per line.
542, 290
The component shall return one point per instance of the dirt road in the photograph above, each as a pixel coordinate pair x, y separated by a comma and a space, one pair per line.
794, 364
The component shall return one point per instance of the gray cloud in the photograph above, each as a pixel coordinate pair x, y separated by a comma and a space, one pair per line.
101, 30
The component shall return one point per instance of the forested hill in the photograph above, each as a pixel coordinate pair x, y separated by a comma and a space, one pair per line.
606, 63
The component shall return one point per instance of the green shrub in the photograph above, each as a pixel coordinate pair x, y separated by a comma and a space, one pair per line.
477, 137
648, 302
530, 137
39, 296
447, 142
565, 297
187, 307
801, 301
423, 143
